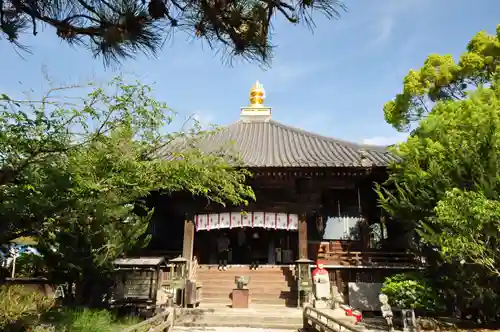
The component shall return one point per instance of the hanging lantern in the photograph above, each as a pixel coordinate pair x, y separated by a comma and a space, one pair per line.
320, 224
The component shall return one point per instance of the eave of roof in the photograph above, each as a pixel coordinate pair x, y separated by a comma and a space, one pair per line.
273, 144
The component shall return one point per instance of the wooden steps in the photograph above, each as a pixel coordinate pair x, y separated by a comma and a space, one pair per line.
270, 285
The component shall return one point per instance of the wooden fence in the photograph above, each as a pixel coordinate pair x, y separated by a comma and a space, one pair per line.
317, 320
163, 322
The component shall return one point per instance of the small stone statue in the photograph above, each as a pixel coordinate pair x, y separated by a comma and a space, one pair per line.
337, 298
386, 311
409, 320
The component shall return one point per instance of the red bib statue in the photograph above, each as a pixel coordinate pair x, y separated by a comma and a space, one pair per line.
320, 273
321, 286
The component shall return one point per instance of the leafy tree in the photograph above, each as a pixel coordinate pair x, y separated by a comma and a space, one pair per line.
470, 225
449, 161
446, 187
78, 176
120, 28
441, 78
452, 152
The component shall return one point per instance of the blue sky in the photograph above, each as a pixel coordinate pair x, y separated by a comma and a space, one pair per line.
333, 81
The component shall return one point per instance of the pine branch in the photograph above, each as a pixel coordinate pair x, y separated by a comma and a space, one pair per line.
117, 29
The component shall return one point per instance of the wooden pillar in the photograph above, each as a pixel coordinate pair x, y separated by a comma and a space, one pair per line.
303, 236
364, 226
188, 242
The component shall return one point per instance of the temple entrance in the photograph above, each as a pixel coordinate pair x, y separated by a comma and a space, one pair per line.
247, 245
263, 237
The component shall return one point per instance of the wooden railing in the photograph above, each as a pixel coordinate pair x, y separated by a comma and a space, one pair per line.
349, 253
368, 258
163, 322
317, 320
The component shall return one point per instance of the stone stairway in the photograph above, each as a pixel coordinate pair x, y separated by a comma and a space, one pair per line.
273, 302
261, 317
270, 285
231, 329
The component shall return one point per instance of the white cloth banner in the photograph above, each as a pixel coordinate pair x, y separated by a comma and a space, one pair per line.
210, 221
236, 220
293, 221
270, 220
258, 219
201, 222
225, 220
213, 221
247, 220
282, 221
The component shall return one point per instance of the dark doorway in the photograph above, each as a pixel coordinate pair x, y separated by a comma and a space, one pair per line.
268, 246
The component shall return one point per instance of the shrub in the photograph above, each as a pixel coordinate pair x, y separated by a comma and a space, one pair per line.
412, 291
21, 305
87, 320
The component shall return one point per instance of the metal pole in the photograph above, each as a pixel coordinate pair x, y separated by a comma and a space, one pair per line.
14, 266
359, 201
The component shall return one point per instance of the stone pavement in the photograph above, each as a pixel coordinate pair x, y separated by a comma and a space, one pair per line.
241, 329
228, 329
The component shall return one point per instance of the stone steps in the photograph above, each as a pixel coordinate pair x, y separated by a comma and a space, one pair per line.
260, 316
229, 329
218, 283
264, 292
288, 302
253, 286
268, 317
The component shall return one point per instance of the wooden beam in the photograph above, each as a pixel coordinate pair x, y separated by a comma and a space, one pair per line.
188, 241
303, 236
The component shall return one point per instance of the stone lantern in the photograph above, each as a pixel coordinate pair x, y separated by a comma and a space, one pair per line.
178, 277
304, 281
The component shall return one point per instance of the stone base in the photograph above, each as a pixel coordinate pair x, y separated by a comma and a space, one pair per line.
321, 304
240, 298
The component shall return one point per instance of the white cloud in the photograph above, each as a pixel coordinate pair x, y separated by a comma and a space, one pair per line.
386, 140
385, 27
389, 14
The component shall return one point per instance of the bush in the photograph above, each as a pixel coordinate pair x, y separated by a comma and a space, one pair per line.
412, 291
20, 306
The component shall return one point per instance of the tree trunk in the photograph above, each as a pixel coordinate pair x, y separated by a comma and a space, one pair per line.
90, 290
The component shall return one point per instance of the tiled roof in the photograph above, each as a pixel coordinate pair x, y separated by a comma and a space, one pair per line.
140, 261
273, 144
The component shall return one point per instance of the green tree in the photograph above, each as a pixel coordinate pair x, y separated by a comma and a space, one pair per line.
78, 176
470, 226
445, 189
452, 156
441, 78
121, 28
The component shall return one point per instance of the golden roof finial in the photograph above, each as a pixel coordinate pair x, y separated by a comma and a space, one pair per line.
257, 95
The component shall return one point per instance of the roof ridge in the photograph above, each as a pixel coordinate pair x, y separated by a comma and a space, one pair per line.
346, 143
